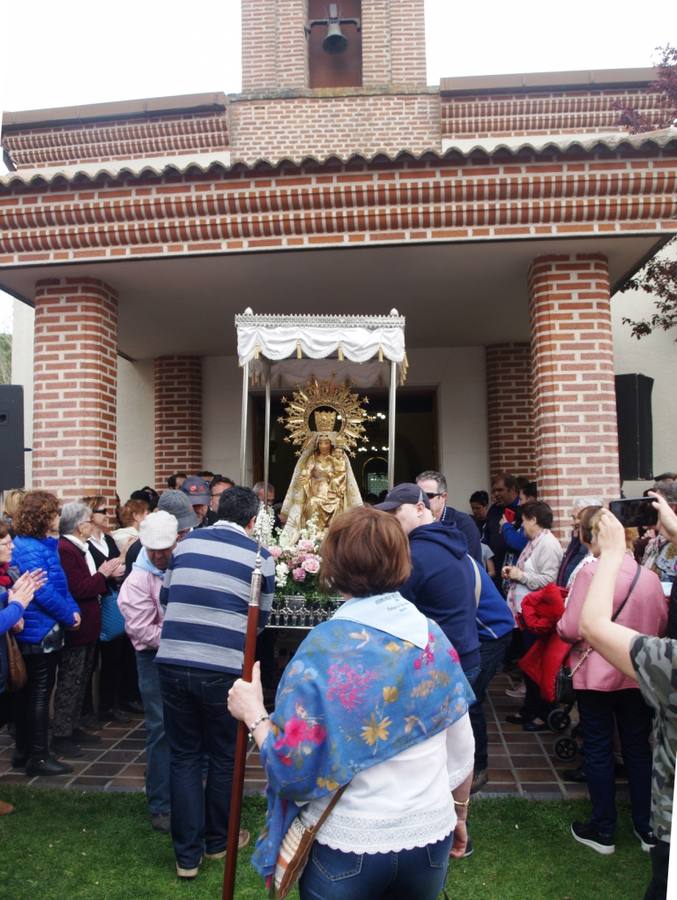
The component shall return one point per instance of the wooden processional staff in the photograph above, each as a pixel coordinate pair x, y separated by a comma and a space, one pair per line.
242, 734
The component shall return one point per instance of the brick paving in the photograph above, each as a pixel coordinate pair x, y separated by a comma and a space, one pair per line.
520, 764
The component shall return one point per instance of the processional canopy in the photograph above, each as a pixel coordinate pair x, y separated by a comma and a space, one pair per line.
291, 349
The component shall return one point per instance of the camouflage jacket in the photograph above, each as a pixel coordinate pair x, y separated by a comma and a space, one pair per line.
655, 662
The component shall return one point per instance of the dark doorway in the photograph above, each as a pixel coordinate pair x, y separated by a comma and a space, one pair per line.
415, 441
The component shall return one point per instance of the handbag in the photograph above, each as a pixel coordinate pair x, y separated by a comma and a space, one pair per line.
16, 667
564, 684
295, 849
112, 620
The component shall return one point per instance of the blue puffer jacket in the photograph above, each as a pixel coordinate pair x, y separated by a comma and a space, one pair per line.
53, 602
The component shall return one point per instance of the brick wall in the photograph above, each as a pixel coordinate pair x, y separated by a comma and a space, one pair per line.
393, 42
178, 416
544, 112
97, 141
575, 434
334, 125
524, 197
509, 411
75, 369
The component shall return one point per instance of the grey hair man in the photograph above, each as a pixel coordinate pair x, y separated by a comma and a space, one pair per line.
434, 486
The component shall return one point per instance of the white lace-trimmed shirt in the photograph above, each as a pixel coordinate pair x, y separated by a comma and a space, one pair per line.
401, 803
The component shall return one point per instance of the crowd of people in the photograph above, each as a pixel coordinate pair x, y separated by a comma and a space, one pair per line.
378, 738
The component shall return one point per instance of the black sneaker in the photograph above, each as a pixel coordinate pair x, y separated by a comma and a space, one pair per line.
586, 833
647, 839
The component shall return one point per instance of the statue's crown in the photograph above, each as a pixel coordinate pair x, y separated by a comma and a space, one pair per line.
325, 421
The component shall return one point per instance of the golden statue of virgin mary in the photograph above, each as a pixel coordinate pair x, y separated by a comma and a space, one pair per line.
323, 483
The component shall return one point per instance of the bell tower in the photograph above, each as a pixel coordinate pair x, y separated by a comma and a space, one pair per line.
296, 45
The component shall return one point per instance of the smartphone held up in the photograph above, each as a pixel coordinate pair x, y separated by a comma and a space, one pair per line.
635, 512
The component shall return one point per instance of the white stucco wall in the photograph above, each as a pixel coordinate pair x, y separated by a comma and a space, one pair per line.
136, 426
655, 356
221, 416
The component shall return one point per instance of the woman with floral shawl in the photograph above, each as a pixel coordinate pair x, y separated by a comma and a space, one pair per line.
374, 699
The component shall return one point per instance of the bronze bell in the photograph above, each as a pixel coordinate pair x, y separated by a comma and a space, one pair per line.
335, 40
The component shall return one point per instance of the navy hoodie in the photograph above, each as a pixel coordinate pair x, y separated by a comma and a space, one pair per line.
442, 586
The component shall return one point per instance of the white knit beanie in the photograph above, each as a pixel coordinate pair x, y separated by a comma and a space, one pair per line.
158, 530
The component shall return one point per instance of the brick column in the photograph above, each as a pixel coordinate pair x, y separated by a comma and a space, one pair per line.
509, 413
178, 416
75, 390
574, 396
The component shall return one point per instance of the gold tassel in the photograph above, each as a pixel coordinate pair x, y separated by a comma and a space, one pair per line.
340, 353
380, 353
299, 354
257, 351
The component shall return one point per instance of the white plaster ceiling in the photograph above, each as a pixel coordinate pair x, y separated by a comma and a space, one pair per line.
452, 294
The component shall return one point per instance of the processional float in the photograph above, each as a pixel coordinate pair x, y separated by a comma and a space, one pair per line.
285, 352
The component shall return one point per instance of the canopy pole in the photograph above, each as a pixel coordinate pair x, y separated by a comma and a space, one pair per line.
391, 425
266, 442
243, 426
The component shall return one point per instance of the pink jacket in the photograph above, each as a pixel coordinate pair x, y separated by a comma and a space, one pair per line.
646, 612
139, 602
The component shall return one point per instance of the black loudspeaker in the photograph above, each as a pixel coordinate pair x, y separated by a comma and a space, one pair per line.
635, 427
11, 436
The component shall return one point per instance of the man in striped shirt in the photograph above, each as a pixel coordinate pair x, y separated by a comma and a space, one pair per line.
206, 592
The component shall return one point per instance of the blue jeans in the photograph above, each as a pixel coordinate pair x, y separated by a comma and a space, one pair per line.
492, 654
333, 875
599, 711
157, 748
197, 722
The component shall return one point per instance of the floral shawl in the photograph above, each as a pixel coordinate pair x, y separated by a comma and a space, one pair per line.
355, 694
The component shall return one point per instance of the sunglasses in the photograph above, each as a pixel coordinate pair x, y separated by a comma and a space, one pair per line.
432, 494
101, 512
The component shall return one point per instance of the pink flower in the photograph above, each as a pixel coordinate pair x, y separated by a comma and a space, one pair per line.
312, 565
454, 654
295, 731
275, 551
298, 574
317, 734
306, 546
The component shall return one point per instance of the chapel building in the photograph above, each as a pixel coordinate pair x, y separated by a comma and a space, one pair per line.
499, 214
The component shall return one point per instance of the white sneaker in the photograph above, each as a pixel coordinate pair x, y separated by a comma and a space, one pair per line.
517, 693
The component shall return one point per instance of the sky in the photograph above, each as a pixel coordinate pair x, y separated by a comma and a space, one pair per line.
89, 52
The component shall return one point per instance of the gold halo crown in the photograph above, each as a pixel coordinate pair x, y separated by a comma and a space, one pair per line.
332, 405
325, 421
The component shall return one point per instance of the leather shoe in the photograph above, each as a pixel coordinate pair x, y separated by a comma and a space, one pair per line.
47, 766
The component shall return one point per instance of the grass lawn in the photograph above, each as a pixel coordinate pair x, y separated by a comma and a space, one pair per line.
64, 844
